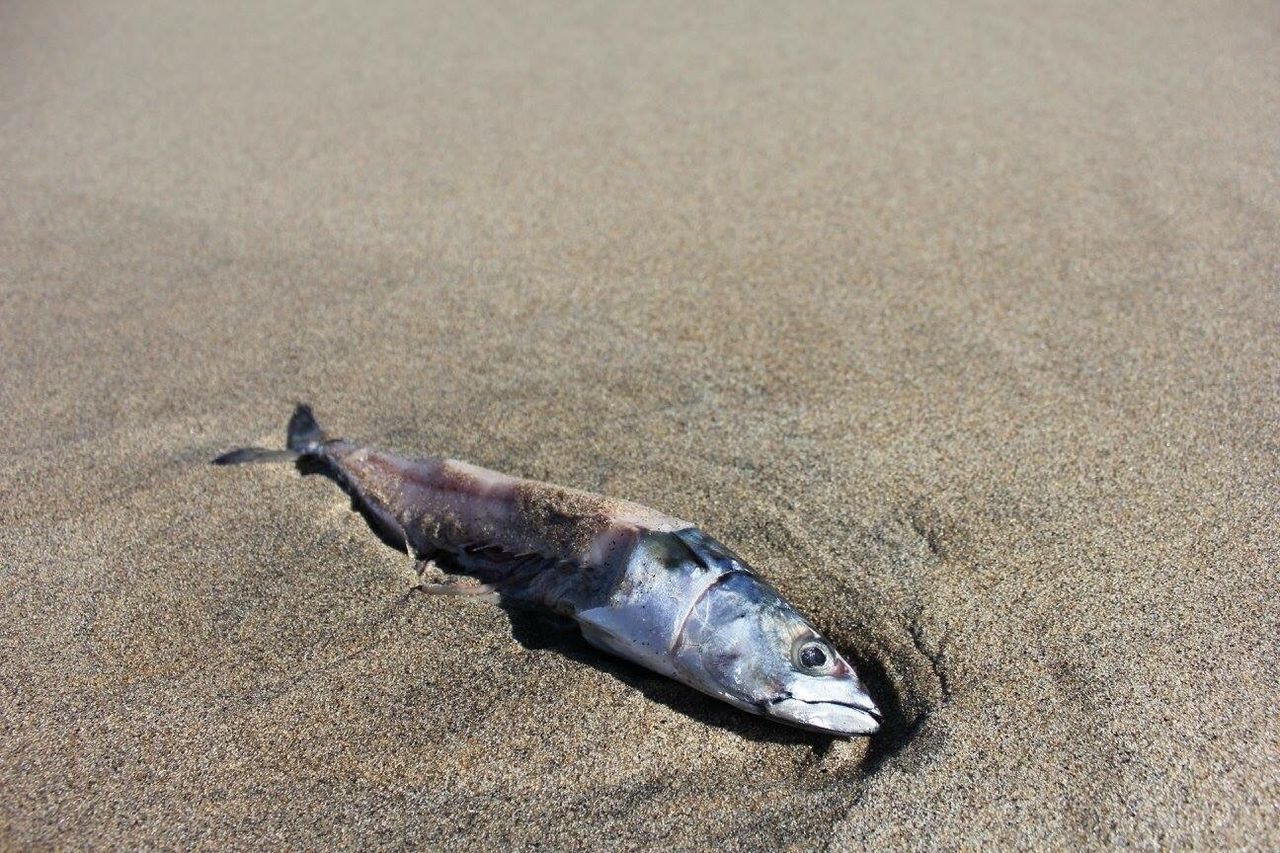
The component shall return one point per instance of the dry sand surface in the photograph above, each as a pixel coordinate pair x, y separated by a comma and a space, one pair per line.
959, 322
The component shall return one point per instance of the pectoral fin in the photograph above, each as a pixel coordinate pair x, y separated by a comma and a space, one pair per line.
613, 630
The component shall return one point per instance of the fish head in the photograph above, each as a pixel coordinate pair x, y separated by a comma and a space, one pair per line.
743, 643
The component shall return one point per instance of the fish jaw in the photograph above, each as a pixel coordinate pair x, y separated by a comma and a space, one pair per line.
830, 716
837, 703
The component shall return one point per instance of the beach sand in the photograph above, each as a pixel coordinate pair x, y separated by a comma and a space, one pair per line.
959, 322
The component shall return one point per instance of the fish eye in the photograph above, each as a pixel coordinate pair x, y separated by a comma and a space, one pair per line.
813, 656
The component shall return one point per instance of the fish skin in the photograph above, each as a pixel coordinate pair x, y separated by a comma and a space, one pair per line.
641, 584
541, 544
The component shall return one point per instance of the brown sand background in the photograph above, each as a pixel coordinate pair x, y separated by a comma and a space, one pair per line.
959, 321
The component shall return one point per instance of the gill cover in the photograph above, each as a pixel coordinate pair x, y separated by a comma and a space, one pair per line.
662, 578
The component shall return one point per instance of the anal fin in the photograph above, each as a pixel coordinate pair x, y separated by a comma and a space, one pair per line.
461, 589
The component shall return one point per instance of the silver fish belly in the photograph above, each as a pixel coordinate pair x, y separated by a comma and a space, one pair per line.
642, 585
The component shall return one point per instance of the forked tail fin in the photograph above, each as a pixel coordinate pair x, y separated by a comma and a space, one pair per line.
305, 438
305, 435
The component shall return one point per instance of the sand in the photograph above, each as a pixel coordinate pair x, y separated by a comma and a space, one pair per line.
958, 321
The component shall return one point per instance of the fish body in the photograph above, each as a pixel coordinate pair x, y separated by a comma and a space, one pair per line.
640, 584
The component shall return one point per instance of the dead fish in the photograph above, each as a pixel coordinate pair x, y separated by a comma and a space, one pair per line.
640, 584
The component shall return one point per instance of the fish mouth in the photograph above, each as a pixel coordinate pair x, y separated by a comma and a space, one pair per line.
829, 716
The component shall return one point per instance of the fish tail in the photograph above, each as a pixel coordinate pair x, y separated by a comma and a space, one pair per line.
305, 438
305, 435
